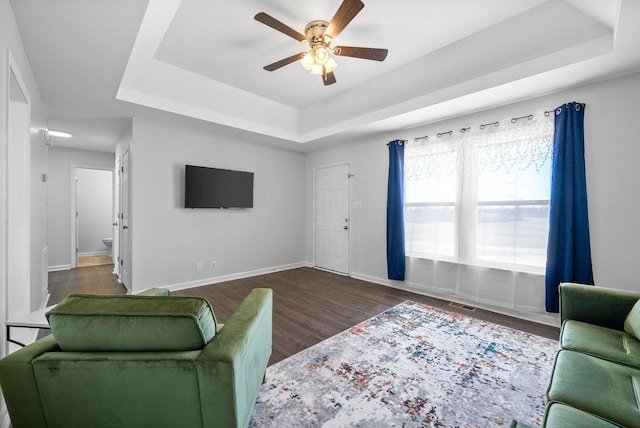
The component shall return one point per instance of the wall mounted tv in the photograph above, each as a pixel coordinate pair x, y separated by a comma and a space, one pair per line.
217, 188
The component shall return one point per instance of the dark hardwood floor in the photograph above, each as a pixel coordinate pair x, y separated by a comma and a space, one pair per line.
88, 280
310, 305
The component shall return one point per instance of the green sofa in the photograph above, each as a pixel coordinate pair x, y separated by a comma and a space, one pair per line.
141, 361
595, 382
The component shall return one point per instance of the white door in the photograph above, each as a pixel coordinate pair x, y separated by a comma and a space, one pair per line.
125, 241
76, 221
332, 218
115, 250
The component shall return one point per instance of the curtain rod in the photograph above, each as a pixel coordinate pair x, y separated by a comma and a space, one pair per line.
484, 125
403, 141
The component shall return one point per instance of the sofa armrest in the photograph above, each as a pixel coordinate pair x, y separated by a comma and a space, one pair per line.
232, 366
19, 384
605, 307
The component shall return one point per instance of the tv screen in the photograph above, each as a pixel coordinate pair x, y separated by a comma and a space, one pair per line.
217, 188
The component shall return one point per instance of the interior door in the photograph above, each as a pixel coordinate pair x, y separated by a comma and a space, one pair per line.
125, 241
332, 218
115, 250
76, 221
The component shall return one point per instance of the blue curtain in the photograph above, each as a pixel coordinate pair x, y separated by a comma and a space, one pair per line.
395, 212
569, 250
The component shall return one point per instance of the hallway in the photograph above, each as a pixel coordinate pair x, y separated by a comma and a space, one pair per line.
91, 280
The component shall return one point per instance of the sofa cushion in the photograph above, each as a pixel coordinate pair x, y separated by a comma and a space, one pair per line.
596, 386
132, 323
607, 343
632, 322
154, 292
562, 416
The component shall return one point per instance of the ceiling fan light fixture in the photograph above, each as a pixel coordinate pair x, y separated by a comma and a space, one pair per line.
317, 69
318, 61
307, 61
322, 56
330, 65
318, 38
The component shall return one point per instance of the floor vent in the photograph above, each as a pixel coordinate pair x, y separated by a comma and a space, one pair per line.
461, 306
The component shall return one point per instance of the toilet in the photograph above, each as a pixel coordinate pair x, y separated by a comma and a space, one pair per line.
108, 242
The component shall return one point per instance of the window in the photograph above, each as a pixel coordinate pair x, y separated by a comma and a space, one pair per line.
481, 197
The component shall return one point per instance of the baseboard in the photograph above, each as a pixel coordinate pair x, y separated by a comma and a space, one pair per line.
224, 278
59, 268
515, 313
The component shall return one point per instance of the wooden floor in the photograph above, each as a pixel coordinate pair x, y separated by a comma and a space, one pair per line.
309, 305
90, 280
84, 261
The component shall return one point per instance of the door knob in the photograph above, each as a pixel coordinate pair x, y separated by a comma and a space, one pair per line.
346, 228
125, 227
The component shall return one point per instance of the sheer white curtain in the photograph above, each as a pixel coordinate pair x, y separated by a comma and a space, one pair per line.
433, 174
505, 201
476, 211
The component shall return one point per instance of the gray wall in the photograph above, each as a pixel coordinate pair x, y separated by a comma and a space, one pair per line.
612, 151
169, 240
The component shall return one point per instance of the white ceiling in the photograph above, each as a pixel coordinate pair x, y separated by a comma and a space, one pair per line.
198, 63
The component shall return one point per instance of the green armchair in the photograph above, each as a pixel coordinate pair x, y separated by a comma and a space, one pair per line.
141, 361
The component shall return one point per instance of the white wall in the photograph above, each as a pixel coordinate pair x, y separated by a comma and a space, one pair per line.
612, 153
168, 240
95, 210
10, 40
39, 169
368, 165
59, 209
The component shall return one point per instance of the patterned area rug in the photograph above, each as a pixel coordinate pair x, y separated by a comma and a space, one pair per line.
411, 366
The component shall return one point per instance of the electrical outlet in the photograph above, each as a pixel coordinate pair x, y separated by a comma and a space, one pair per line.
199, 267
213, 265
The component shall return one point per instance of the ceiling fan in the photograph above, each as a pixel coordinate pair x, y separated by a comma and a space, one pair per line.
319, 35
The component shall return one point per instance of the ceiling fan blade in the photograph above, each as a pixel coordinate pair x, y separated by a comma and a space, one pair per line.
345, 13
328, 79
364, 53
277, 25
276, 65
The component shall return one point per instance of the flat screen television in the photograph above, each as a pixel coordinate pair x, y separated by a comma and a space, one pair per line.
206, 187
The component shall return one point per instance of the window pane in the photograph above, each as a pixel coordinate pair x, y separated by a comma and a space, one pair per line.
430, 230
515, 184
431, 173
513, 234
519, 170
431, 189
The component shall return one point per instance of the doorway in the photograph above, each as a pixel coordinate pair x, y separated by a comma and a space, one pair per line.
332, 226
16, 259
92, 216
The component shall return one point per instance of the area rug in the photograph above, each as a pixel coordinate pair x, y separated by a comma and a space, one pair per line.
411, 366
